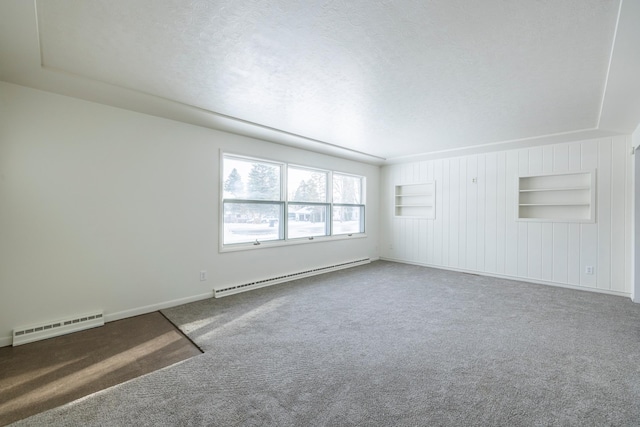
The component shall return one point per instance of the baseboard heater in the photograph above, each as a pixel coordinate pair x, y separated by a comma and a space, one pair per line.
230, 290
46, 330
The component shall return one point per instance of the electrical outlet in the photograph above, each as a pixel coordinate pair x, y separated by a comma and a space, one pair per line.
588, 269
203, 275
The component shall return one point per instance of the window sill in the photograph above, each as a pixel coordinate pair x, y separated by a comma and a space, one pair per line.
279, 243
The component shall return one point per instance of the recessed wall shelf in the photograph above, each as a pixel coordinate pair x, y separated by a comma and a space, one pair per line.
567, 197
415, 200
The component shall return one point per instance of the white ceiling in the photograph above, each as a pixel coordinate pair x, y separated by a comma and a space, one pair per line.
372, 80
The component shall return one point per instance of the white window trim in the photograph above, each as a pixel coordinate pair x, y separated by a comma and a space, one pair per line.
284, 196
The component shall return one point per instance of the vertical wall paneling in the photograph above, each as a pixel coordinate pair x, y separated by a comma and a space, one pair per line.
547, 227
534, 250
535, 161
418, 237
412, 224
534, 229
501, 210
547, 159
523, 228
423, 234
547, 251
397, 230
446, 197
404, 233
589, 232
560, 158
462, 215
472, 212
388, 204
560, 253
575, 157
399, 247
573, 245
454, 211
491, 178
603, 214
620, 225
438, 222
476, 228
430, 231
409, 223
631, 186
523, 246
397, 222
511, 242
421, 241
561, 230
482, 185
386, 211
573, 254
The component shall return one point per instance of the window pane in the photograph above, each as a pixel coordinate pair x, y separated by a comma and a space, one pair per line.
249, 179
306, 185
246, 222
348, 219
307, 220
347, 189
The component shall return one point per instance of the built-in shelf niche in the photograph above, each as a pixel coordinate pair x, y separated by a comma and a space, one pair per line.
416, 200
567, 197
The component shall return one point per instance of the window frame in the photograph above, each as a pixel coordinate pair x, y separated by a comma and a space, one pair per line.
284, 203
361, 205
326, 203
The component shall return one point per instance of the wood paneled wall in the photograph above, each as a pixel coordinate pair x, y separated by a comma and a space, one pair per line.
475, 227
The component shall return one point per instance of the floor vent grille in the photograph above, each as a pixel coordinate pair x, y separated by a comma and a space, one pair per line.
29, 334
230, 290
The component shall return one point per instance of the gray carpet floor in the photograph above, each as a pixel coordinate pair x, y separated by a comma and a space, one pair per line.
388, 344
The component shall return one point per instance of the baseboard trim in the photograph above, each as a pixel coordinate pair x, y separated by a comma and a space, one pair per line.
249, 286
516, 278
110, 317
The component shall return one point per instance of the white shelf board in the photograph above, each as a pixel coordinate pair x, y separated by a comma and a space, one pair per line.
554, 204
531, 190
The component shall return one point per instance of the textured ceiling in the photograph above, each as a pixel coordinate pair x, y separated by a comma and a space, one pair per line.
387, 78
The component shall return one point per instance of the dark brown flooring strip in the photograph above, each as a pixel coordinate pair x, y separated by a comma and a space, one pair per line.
39, 376
182, 333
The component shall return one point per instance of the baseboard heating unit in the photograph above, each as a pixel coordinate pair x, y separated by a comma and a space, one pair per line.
230, 290
46, 330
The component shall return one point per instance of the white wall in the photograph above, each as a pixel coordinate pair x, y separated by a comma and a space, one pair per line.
635, 291
106, 209
475, 228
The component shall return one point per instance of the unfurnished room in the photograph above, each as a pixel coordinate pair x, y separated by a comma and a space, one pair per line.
319, 213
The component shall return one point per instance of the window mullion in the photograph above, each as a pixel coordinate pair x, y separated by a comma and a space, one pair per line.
305, 184
330, 200
284, 196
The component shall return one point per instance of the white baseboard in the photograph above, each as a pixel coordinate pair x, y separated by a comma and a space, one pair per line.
516, 278
110, 317
249, 286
